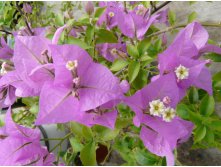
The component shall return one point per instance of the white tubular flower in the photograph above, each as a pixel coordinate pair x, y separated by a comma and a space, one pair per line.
71, 65
182, 72
168, 114
111, 14
156, 107
113, 51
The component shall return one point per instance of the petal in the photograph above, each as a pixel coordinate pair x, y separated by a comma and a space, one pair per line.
99, 87
53, 105
57, 34
126, 24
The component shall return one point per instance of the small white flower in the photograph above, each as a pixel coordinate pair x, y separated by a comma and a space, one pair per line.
71, 65
111, 14
113, 51
156, 107
168, 114
182, 72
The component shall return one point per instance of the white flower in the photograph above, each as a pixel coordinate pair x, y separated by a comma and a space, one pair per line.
182, 72
156, 107
111, 14
71, 65
113, 51
168, 114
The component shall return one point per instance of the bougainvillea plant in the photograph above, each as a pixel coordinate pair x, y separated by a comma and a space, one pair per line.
109, 79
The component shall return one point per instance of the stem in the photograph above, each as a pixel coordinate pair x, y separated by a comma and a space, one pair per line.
181, 26
63, 139
108, 155
7, 32
51, 139
23, 116
25, 18
159, 7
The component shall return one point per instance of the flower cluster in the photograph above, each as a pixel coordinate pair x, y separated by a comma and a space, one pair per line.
73, 87
21, 145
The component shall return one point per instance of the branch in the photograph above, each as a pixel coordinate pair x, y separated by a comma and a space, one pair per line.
25, 18
7, 32
182, 26
159, 7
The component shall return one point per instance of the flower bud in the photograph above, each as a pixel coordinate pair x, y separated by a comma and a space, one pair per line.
166, 100
76, 81
27, 8
89, 8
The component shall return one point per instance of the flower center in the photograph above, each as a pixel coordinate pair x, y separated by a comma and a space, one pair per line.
113, 51
111, 14
156, 107
182, 72
168, 114
71, 65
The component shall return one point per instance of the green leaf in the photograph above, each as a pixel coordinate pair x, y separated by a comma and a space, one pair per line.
87, 132
99, 12
105, 134
182, 111
80, 43
132, 51
118, 64
213, 56
76, 145
143, 45
143, 158
192, 17
217, 76
209, 136
192, 2
157, 45
133, 70
193, 95
207, 105
105, 36
34, 108
89, 34
215, 125
200, 133
172, 17
141, 79
59, 19
88, 154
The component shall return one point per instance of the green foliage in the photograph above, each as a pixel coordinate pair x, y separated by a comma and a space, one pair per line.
213, 56
88, 154
132, 51
118, 64
172, 17
207, 105
76, 41
133, 70
105, 36
192, 17
99, 12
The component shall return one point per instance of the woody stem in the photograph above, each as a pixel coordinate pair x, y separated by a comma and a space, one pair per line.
181, 26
